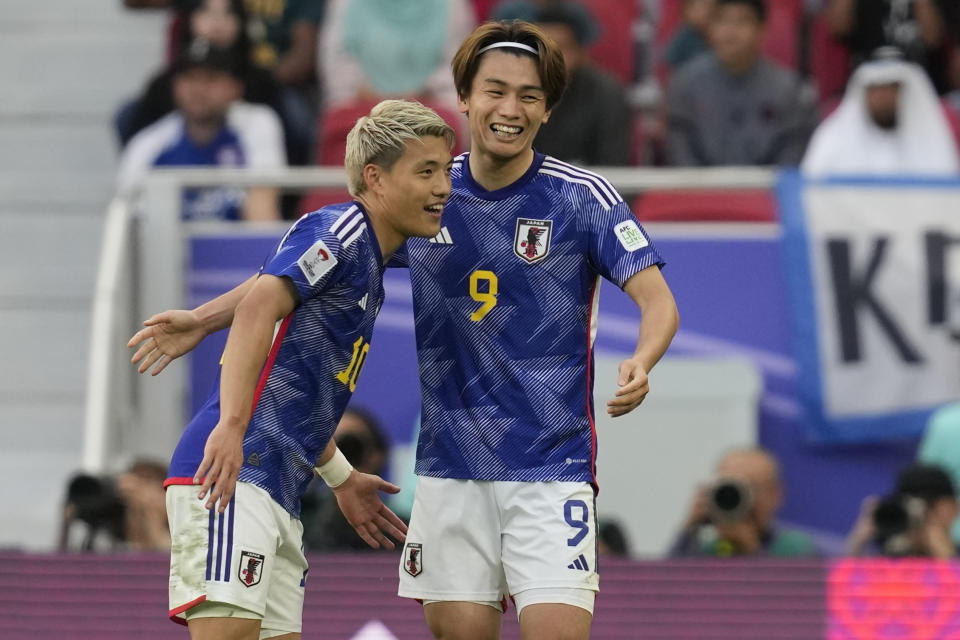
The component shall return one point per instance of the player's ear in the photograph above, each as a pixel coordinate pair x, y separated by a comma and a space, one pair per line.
373, 177
546, 116
462, 104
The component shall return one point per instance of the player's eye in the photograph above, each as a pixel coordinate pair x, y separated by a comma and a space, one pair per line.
531, 99
494, 92
427, 173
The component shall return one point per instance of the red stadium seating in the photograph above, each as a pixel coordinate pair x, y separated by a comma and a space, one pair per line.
829, 62
706, 206
614, 48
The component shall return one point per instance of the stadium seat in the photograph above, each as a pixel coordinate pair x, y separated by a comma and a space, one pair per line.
613, 50
829, 62
747, 205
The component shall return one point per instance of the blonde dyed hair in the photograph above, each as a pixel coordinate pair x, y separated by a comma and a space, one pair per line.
382, 136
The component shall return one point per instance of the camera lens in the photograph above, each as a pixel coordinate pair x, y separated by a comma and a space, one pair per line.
730, 500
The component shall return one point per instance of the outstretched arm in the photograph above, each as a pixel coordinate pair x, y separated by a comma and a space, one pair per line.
658, 323
270, 299
170, 334
358, 497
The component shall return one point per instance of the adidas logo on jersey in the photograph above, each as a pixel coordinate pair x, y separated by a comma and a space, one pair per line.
580, 564
363, 302
443, 237
253, 459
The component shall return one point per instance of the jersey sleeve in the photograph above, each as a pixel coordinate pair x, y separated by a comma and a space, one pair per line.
310, 256
619, 245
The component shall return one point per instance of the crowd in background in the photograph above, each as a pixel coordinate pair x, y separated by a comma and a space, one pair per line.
834, 86
831, 86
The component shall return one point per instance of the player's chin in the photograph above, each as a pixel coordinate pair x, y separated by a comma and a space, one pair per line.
429, 226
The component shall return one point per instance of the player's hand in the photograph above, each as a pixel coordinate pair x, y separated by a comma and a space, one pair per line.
222, 459
165, 337
359, 500
634, 387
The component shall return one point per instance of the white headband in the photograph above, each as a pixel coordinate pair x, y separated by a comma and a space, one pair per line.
512, 45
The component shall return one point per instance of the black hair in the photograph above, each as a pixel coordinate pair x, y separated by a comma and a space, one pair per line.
929, 482
572, 15
759, 7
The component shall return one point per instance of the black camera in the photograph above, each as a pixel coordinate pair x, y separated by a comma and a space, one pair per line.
895, 519
729, 500
95, 501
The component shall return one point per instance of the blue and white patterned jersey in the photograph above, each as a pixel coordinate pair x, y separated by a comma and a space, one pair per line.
318, 350
505, 301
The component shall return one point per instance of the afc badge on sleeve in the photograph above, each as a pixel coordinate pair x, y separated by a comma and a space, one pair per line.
413, 558
316, 261
532, 239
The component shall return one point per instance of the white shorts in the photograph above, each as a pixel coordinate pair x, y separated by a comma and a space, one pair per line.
249, 557
480, 541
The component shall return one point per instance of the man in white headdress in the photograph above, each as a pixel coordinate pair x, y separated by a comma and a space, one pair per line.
890, 122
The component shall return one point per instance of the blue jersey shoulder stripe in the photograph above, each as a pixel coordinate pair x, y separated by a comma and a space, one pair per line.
343, 225
602, 199
602, 182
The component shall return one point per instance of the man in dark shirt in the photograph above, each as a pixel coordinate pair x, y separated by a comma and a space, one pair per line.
733, 106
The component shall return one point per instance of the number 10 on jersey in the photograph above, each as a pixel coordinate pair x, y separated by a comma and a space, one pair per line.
352, 372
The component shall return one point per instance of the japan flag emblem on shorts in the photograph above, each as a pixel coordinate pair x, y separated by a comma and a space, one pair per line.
413, 558
251, 568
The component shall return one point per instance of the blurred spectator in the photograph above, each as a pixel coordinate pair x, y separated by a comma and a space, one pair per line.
691, 39
734, 106
916, 27
914, 520
735, 514
940, 445
612, 540
210, 127
953, 96
281, 37
222, 23
373, 49
109, 514
890, 122
362, 441
592, 124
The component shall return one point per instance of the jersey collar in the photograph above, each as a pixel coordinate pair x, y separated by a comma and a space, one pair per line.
505, 192
373, 234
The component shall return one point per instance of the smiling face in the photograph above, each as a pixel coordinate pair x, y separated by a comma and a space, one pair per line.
506, 106
415, 188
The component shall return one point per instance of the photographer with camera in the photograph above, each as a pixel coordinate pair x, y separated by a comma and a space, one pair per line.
365, 446
735, 514
114, 513
914, 520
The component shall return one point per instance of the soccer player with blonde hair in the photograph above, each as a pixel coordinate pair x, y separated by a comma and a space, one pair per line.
300, 333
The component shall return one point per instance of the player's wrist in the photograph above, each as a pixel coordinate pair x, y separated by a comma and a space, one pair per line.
336, 470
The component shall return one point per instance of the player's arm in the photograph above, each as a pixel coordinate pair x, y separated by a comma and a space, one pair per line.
270, 299
358, 497
658, 324
170, 334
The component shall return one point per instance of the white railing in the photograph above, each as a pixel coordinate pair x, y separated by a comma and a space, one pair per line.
141, 271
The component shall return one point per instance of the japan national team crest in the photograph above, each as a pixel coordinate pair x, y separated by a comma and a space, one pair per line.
413, 558
532, 240
251, 568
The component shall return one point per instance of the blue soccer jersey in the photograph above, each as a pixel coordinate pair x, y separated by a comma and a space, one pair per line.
505, 301
318, 350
